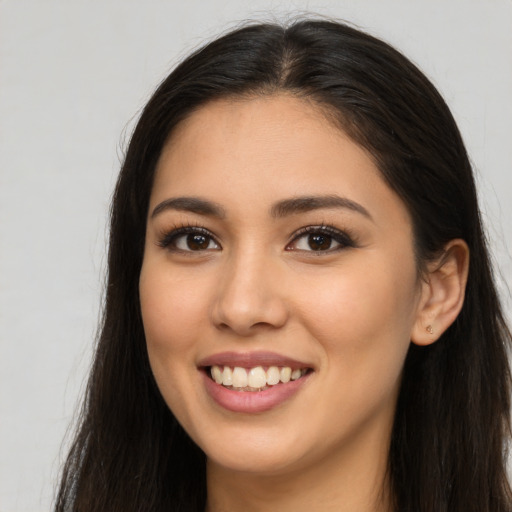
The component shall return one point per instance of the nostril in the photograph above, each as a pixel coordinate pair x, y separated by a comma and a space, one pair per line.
246, 329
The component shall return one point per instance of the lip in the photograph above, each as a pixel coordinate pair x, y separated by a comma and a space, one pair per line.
252, 402
251, 360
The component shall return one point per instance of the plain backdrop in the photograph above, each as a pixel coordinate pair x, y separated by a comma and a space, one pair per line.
73, 77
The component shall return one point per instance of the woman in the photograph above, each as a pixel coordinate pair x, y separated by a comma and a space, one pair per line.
300, 310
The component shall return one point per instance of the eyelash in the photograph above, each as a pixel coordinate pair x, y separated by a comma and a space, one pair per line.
344, 238
168, 238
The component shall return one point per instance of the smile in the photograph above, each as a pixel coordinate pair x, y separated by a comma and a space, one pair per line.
253, 382
254, 379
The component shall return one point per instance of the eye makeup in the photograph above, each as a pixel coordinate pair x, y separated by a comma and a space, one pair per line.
188, 238
321, 239
313, 238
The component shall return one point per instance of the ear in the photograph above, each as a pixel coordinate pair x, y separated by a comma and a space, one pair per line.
442, 293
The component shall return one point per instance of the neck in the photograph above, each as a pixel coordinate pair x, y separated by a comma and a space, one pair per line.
353, 479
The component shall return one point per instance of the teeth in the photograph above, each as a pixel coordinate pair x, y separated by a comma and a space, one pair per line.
254, 378
285, 374
239, 377
227, 376
217, 374
273, 376
296, 374
257, 377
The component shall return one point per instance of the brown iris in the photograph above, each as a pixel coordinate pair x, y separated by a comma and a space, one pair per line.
319, 242
197, 242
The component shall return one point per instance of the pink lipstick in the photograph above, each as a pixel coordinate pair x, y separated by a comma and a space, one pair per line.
252, 382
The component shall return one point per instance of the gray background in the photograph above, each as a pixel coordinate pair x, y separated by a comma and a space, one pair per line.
73, 76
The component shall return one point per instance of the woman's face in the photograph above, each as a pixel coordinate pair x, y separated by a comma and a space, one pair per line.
275, 247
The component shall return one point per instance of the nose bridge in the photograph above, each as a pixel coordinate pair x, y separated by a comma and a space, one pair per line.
249, 296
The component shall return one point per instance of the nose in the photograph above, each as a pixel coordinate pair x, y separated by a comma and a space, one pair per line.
250, 297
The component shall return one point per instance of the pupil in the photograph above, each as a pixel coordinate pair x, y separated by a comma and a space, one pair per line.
197, 242
319, 242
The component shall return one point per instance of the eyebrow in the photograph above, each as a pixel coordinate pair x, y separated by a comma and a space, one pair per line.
305, 204
284, 208
190, 204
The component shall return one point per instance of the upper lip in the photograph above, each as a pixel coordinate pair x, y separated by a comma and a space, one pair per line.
251, 360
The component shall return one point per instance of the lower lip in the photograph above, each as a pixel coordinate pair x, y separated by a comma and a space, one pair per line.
253, 401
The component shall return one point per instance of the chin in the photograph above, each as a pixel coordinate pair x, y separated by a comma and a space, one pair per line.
253, 451
255, 461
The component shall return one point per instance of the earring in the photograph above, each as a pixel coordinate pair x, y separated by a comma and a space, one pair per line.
429, 329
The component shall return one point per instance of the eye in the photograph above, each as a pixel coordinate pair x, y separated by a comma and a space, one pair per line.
194, 242
189, 239
320, 239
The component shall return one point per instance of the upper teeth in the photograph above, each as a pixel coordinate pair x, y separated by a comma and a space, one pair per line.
254, 377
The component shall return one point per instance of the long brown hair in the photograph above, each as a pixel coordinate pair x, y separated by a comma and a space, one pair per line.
451, 427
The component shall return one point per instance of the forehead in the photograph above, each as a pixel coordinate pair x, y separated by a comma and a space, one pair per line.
264, 149
265, 117
272, 129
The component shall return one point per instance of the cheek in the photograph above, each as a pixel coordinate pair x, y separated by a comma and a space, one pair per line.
171, 312
172, 309
363, 320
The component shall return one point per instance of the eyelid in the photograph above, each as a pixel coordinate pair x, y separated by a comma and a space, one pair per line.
167, 237
343, 237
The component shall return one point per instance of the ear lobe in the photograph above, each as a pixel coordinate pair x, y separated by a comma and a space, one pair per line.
442, 294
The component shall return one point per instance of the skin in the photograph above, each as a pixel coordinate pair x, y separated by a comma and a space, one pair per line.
349, 312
